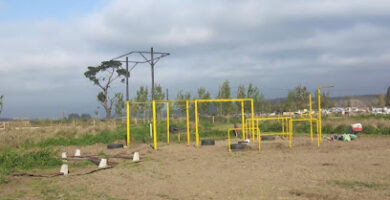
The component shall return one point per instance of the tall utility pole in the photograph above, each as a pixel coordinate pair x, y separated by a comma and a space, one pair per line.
152, 61
167, 95
127, 78
152, 65
154, 58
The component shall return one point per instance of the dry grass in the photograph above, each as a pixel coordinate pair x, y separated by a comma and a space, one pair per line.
19, 135
337, 170
376, 123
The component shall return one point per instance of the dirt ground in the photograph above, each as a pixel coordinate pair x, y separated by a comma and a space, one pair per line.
337, 170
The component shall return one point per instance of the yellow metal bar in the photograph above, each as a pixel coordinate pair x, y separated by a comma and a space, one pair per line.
290, 135
283, 127
252, 116
222, 100
167, 104
139, 102
154, 125
271, 133
196, 125
243, 120
319, 113
318, 135
188, 123
257, 129
311, 119
228, 137
178, 137
174, 100
258, 135
128, 123
272, 118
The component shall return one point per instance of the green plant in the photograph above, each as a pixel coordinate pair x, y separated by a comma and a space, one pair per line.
14, 160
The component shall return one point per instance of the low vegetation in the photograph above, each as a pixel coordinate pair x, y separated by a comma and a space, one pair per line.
16, 160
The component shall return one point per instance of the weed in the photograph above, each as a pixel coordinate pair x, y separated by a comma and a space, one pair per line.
103, 155
3, 179
11, 161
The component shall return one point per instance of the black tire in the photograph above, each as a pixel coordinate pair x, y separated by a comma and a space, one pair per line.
268, 137
237, 146
208, 142
114, 146
243, 142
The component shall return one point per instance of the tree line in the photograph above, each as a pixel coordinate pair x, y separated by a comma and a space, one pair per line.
297, 99
107, 72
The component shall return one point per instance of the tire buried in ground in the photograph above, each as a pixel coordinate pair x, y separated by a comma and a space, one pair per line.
114, 146
270, 137
239, 146
207, 142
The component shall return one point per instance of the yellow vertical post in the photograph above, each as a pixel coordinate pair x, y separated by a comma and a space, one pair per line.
252, 116
243, 120
258, 135
196, 124
290, 134
257, 129
128, 123
283, 127
228, 137
167, 105
318, 135
188, 123
319, 113
154, 125
311, 119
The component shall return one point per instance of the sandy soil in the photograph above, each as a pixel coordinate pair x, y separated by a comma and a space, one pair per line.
337, 170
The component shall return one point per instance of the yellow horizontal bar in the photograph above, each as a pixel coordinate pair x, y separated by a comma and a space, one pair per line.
267, 134
174, 100
137, 102
223, 100
270, 118
161, 101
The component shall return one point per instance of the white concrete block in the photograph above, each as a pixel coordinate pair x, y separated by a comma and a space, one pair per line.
136, 156
103, 163
64, 169
77, 153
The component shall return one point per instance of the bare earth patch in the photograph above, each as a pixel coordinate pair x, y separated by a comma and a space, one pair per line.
337, 170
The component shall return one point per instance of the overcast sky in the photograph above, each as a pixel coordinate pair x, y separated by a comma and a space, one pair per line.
46, 46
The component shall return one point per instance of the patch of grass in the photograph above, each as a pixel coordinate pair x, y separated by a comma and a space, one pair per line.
12, 161
3, 179
80, 163
357, 184
103, 155
104, 137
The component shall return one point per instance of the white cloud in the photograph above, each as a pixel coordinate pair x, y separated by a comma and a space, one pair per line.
274, 43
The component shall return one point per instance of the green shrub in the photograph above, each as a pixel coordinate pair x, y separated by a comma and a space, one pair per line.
12, 160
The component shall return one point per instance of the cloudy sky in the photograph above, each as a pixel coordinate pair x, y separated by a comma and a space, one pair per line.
46, 46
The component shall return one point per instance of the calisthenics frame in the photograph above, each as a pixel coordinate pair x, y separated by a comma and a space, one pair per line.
196, 101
